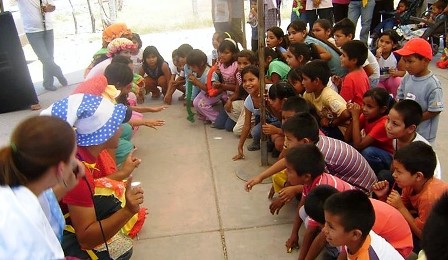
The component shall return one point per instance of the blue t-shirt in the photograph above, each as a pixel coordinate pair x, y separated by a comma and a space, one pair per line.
334, 63
427, 91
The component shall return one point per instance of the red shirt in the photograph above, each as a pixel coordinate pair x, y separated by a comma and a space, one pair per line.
377, 130
354, 85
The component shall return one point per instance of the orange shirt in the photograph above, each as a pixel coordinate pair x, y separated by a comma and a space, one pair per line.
423, 201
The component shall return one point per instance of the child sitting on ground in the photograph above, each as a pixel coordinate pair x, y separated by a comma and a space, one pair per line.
356, 82
391, 65
322, 30
277, 40
177, 80
155, 71
413, 167
344, 31
351, 227
401, 125
367, 132
305, 166
295, 79
330, 106
276, 69
421, 85
389, 224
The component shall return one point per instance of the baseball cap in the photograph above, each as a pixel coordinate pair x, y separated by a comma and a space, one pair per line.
416, 46
94, 118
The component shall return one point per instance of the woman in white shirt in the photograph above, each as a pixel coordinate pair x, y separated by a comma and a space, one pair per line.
41, 155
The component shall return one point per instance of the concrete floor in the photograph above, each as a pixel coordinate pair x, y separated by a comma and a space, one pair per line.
198, 208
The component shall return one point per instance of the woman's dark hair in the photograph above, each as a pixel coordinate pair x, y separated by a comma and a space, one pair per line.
307, 51
324, 23
249, 55
269, 52
381, 97
231, 45
121, 59
37, 144
136, 38
281, 90
152, 50
251, 69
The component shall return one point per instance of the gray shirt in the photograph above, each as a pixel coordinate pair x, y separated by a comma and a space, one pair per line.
426, 91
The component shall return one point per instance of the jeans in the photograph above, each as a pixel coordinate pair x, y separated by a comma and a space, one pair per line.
295, 17
384, 26
340, 11
223, 121
43, 45
324, 13
355, 10
377, 158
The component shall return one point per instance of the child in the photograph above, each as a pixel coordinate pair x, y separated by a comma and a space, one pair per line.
329, 105
203, 103
303, 128
276, 69
177, 80
252, 104
137, 53
277, 40
322, 30
356, 82
298, 54
433, 240
157, 72
401, 125
278, 93
421, 85
291, 106
413, 167
367, 132
295, 79
305, 166
344, 31
235, 104
391, 65
389, 223
217, 38
351, 227
224, 79
297, 33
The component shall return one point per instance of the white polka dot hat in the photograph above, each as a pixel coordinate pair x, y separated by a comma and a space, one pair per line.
96, 119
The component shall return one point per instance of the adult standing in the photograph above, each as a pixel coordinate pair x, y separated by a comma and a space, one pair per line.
340, 9
38, 26
271, 15
322, 9
382, 11
363, 8
228, 17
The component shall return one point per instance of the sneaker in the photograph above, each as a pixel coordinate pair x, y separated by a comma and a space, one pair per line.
253, 146
51, 88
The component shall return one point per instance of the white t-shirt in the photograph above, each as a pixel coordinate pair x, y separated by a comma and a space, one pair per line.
380, 249
25, 231
32, 16
391, 63
371, 60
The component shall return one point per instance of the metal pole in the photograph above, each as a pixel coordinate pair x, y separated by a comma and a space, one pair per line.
2, 9
261, 62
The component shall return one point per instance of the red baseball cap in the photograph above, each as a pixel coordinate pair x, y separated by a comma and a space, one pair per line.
416, 45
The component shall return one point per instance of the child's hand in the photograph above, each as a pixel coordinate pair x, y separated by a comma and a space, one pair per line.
324, 122
287, 193
379, 52
154, 123
134, 197
271, 193
251, 183
269, 129
240, 154
168, 99
276, 205
228, 106
159, 108
292, 242
394, 199
337, 81
381, 188
354, 109
192, 78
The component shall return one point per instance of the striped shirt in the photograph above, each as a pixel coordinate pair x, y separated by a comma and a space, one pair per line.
346, 163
